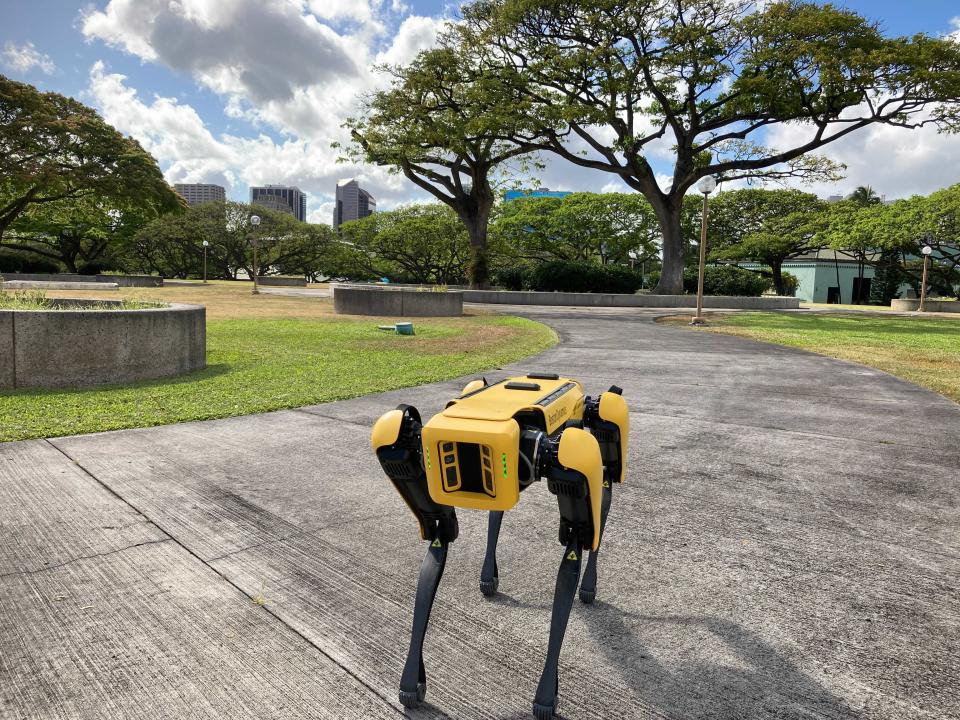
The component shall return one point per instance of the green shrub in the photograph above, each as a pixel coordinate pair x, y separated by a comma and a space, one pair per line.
790, 284
727, 280
14, 262
566, 276
512, 278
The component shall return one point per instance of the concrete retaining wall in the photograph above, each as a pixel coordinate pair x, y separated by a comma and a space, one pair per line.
522, 297
59, 285
282, 281
119, 280
911, 305
79, 348
390, 302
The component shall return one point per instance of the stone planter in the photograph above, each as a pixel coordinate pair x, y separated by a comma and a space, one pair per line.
913, 304
78, 348
278, 281
577, 299
118, 280
396, 302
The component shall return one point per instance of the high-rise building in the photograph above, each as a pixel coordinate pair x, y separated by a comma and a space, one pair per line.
200, 193
281, 197
538, 193
352, 203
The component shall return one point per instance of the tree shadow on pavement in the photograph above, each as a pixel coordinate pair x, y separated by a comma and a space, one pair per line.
758, 682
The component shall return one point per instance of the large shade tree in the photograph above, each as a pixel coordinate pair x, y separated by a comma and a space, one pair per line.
55, 150
767, 226
445, 123
593, 227
618, 83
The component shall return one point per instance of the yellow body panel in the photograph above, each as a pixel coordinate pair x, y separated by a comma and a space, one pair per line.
483, 476
471, 386
556, 400
386, 430
580, 451
613, 408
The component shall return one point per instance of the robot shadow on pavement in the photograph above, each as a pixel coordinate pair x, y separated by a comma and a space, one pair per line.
485, 448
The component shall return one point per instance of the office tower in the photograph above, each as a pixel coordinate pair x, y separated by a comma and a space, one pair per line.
352, 203
286, 199
200, 193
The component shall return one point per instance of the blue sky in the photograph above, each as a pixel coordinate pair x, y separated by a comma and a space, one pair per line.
245, 92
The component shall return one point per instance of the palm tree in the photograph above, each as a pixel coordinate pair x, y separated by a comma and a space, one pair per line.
864, 195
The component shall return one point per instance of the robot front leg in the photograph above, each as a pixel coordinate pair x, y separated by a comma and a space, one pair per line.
588, 586
489, 575
545, 701
413, 682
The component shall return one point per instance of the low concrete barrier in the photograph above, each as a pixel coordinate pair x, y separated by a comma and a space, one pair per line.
523, 297
912, 305
119, 280
279, 281
396, 302
58, 285
78, 348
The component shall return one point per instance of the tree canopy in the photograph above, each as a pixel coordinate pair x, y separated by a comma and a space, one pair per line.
614, 81
445, 123
605, 228
54, 149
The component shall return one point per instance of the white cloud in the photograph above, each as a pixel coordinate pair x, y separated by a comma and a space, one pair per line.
24, 58
955, 22
895, 162
177, 136
416, 33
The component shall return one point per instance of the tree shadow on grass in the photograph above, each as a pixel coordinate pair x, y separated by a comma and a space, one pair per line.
759, 682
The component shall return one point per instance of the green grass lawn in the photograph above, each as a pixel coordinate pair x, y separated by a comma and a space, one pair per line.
260, 364
925, 351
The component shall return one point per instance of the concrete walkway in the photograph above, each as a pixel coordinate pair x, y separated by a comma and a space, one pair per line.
787, 545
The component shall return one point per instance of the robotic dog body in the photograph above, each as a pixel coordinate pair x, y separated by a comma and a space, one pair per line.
481, 452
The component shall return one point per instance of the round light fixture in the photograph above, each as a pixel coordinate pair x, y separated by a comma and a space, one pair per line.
927, 250
707, 184
254, 220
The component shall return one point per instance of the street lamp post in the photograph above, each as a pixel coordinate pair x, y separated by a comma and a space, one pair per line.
206, 244
706, 185
254, 222
926, 251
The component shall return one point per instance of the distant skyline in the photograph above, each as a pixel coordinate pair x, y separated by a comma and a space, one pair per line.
242, 93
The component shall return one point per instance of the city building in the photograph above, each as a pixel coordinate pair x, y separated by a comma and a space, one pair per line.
283, 198
352, 203
200, 193
539, 192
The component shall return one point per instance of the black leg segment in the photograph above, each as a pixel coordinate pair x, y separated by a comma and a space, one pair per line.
588, 586
490, 575
413, 682
545, 702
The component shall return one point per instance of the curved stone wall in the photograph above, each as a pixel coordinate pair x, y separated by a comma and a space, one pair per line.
396, 302
79, 348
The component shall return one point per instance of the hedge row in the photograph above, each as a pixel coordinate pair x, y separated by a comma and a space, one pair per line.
566, 276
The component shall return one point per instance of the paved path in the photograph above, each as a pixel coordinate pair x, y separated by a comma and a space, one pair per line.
787, 545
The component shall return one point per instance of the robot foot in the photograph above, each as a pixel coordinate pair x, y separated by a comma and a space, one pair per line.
587, 596
489, 587
413, 698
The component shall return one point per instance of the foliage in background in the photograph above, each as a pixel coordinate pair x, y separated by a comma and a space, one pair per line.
571, 276
608, 228
172, 245
416, 243
61, 162
444, 124
766, 226
710, 79
727, 280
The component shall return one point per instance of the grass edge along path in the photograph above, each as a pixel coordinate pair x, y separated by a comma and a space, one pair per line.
260, 365
921, 350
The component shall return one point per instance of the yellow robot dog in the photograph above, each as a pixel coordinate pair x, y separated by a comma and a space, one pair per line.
481, 452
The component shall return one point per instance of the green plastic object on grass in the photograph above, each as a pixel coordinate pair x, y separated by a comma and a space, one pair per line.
404, 328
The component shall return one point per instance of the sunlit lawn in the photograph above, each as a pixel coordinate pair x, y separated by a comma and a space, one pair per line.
271, 352
925, 351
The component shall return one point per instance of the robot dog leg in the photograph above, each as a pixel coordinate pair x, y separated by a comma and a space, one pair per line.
489, 574
396, 441
608, 420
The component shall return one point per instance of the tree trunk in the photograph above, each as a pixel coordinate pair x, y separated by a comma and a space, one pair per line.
671, 274
776, 270
476, 221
